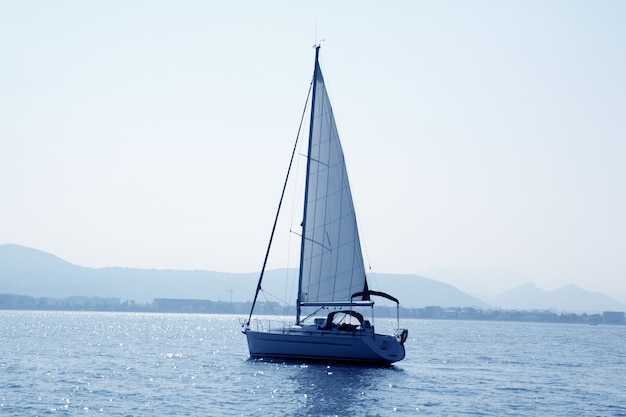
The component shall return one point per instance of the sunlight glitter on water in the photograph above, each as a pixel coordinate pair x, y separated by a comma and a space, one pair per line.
197, 365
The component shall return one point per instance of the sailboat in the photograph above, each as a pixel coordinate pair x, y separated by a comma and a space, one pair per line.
331, 276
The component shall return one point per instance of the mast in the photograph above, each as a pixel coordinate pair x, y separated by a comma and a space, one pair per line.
306, 187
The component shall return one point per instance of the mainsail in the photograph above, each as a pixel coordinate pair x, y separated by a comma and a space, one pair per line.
331, 268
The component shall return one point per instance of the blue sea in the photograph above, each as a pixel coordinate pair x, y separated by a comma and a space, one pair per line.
134, 364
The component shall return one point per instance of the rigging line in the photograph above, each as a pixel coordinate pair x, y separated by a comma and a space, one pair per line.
313, 313
267, 294
315, 241
267, 253
268, 304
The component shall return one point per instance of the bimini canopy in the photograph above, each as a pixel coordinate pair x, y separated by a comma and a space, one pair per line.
366, 295
356, 315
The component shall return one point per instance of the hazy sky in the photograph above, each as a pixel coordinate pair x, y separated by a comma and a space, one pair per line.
485, 140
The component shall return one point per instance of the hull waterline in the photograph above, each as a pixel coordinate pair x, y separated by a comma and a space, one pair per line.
299, 343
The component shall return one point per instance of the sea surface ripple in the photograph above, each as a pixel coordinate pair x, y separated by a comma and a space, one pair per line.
132, 364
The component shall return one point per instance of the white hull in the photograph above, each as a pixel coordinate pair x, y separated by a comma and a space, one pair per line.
309, 343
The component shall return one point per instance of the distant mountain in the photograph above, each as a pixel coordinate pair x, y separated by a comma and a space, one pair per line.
416, 291
569, 298
35, 273
32, 272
